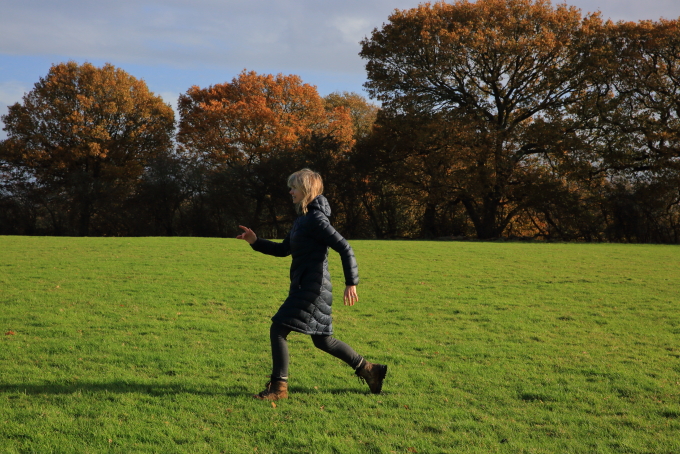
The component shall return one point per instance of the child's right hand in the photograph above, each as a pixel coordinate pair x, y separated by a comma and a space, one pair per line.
247, 235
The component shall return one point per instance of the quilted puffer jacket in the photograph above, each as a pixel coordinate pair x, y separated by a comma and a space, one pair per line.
308, 306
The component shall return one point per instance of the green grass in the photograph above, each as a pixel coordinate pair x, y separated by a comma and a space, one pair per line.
155, 345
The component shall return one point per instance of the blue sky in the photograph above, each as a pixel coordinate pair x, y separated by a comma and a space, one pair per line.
174, 44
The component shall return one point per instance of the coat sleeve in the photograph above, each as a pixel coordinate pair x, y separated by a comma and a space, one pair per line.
324, 232
273, 248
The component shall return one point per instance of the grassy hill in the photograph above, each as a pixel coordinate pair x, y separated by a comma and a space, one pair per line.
155, 345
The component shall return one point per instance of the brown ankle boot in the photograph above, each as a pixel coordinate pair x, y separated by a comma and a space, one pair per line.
275, 390
373, 374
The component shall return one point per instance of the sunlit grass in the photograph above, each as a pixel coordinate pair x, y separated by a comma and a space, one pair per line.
156, 345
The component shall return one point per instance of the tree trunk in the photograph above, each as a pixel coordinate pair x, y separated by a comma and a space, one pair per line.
485, 222
429, 225
84, 217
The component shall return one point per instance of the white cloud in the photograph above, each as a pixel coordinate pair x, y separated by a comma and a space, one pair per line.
630, 10
353, 29
307, 34
294, 36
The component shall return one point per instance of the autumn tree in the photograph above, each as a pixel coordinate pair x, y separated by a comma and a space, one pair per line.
347, 178
493, 80
643, 108
251, 133
362, 111
84, 135
630, 131
643, 95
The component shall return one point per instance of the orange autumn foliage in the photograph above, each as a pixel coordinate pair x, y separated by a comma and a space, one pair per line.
477, 96
255, 118
86, 134
250, 133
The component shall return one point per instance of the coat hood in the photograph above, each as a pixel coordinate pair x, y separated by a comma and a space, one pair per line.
321, 204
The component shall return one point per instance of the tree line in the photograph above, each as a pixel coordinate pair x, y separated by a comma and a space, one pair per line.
497, 119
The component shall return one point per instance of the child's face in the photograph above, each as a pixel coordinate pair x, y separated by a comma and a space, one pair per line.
296, 194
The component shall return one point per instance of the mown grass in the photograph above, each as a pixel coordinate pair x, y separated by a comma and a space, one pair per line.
155, 345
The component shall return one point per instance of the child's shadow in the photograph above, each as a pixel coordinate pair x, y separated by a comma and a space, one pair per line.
120, 387
311, 391
152, 389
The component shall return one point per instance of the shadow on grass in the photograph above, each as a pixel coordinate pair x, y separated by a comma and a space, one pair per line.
151, 389
305, 390
120, 387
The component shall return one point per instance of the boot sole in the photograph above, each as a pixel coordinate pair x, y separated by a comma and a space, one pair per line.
382, 372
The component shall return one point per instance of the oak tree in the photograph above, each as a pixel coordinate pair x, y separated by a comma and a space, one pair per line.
85, 134
496, 79
643, 110
254, 131
362, 112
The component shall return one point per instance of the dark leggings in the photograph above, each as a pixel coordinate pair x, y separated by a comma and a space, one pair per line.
278, 335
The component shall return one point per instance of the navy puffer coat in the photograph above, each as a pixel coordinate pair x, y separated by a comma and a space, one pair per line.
308, 306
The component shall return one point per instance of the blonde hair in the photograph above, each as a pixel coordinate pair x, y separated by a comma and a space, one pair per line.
311, 185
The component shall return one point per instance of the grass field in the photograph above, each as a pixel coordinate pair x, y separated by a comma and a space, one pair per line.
155, 345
